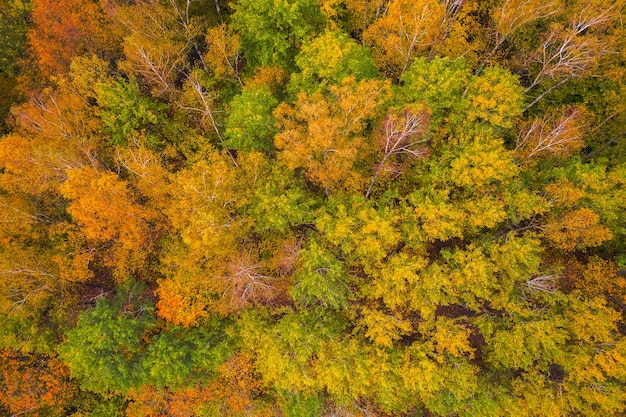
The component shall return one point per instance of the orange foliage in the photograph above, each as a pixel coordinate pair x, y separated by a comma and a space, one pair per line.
30, 383
232, 393
600, 278
577, 229
64, 29
103, 205
57, 132
323, 136
181, 302
106, 210
360, 13
273, 77
149, 401
409, 27
237, 385
563, 193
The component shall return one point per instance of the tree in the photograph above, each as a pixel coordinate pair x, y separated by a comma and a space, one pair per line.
63, 30
514, 14
323, 135
406, 29
272, 33
250, 124
105, 349
223, 55
320, 278
106, 210
13, 30
574, 48
127, 115
328, 60
400, 135
33, 383
577, 229
555, 134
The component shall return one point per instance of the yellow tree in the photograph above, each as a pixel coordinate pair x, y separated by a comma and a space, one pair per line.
212, 263
159, 36
223, 54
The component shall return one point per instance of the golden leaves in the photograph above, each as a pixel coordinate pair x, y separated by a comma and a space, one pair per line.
577, 229
324, 135
407, 28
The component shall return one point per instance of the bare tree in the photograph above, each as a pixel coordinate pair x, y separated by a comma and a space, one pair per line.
513, 14
553, 134
246, 284
453, 7
569, 52
545, 283
205, 107
402, 134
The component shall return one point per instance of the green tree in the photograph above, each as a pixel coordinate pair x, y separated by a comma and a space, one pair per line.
105, 349
329, 59
272, 33
250, 124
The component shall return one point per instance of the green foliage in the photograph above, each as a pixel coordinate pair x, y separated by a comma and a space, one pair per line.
105, 348
320, 278
328, 59
281, 202
115, 347
272, 32
13, 28
441, 85
177, 356
299, 405
13, 42
250, 125
459, 100
126, 113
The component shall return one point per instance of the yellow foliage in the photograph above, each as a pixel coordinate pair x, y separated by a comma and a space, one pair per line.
383, 329
485, 211
439, 218
450, 338
396, 279
222, 53
482, 162
600, 278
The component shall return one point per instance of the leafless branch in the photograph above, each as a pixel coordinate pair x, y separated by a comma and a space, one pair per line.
552, 134
544, 283
401, 135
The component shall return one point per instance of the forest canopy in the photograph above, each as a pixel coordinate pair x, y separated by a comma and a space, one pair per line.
309, 208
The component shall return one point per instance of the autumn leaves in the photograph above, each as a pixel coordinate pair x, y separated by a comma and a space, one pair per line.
315, 208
